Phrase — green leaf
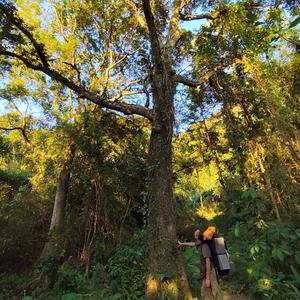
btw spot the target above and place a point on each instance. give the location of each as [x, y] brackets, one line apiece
[258, 23]
[294, 271]
[158, 276]
[295, 22]
[254, 249]
[297, 258]
[298, 233]
[274, 39]
[71, 296]
[113, 297]
[278, 254]
[286, 252]
[194, 270]
[237, 230]
[263, 245]
[296, 291]
[188, 253]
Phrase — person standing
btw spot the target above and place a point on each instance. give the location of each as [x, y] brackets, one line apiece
[210, 288]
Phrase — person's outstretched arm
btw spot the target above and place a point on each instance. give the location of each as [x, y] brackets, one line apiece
[189, 244]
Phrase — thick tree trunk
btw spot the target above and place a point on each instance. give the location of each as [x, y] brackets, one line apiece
[53, 246]
[166, 267]
[167, 277]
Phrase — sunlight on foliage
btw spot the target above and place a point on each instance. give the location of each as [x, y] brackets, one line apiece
[209, 212]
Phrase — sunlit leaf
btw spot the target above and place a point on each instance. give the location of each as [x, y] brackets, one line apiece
[295, 22]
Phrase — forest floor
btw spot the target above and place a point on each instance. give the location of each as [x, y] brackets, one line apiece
[231, 296]
[231, 291]
[234, 291]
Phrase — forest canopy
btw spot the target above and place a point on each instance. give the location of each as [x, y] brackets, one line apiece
[125, 125]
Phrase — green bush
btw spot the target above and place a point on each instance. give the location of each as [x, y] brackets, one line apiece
[266, 252]
[274, 255]
[127, 267]
[23, 228]
[8, 283]
[192, 258]
[70, 280]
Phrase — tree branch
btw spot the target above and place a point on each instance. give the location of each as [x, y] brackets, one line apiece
[155, 45]
[108, 69]
[74, 67]
[101, 100]
[17, 128]
[196, 83]
[174, 33]
[133, 8]
[9, 12]
[217, 14]
[28, 64]
[213, 16]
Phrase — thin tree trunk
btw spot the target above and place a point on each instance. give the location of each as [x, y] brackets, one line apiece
[269, 187]
[215, 156]
[272, 196]
[52, 246]
[234, 140]
[199, 191]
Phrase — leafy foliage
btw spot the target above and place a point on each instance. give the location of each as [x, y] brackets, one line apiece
[127, 267]
[236, 157]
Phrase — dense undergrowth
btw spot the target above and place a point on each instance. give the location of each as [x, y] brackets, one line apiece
[121, 278]
[265, 252]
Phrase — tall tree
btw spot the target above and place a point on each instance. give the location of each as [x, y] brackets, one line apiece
[100, 29]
